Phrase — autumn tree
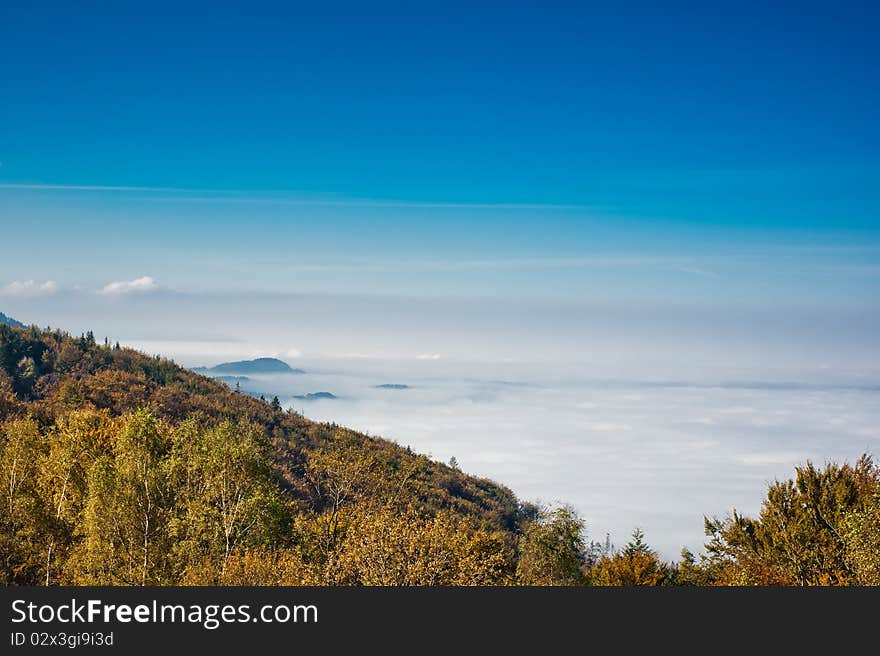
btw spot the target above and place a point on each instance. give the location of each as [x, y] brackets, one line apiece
[337, 477]
[23, 517]
[689, 571]
[800, 536]
[125, 538]
[9, 403]
[860, 531]
[383, 546]
[635, 565]
[552, 550]
[227, 498]
[256, 566]
[77, 440]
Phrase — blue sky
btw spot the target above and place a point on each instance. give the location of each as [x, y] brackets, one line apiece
[684, 152]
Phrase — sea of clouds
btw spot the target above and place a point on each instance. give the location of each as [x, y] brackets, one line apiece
[625, 453]
[643, 414]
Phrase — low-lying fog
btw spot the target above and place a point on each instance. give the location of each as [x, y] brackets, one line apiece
[625, 453]
[640, 414]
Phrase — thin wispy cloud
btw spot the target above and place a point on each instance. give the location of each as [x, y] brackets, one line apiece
[380, 203]
[136, 286]
[677, 263]
[30, 288]
[61, 187]
[283, 197]
[428, 356]
[709, 265]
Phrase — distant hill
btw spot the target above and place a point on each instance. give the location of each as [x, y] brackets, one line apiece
[258, 366]
[9, 321]
[393, 386]
[314, 396]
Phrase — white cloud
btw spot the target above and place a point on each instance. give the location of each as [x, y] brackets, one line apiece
[293, 353]
[428, 356]
[143, 284]
[30, 288]
[634, 457]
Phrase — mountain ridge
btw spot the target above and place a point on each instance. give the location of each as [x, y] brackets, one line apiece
[316, 396]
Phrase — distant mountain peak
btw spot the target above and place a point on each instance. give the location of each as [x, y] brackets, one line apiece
[255, 366]
[315, 396]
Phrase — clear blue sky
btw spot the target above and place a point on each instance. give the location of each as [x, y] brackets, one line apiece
[689, 150]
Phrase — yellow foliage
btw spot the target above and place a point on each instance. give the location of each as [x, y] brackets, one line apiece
[385, 547]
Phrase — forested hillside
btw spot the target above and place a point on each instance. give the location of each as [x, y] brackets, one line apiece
[121, 468]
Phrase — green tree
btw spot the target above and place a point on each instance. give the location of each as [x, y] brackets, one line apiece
[688, 571]
[552, 550]
[125, 539]
[74, 444]
[860, 530]
[799, 536]
[636, 565]
[24, 522]
[227, 496]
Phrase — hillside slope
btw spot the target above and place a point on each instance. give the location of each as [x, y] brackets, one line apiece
[315, 472]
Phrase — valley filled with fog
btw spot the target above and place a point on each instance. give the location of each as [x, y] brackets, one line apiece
[638, 414]
[624, 453]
